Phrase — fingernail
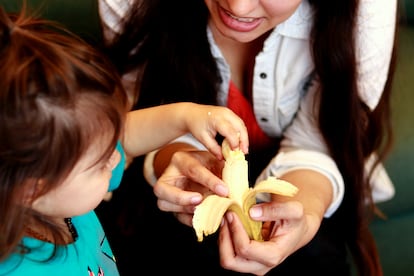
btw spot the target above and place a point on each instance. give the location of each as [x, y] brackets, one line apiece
[196, 199]
[229, 217]
[256, 212]
[222, 190]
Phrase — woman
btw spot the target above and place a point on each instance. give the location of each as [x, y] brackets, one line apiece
[310, 78]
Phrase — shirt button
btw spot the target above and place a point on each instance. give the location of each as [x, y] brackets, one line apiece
[263, 75]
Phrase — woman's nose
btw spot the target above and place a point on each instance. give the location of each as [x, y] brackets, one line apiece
[242, 8]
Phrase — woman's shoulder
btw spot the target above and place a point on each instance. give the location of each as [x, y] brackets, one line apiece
[377, 11]
[112, 13]
[115, 7]
[299, 24]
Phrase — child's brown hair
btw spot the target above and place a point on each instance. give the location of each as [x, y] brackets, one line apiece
[57, 96]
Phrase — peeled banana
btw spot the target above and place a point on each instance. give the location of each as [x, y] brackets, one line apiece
[209, 213]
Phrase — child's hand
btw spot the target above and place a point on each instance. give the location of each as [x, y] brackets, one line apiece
[206, 121]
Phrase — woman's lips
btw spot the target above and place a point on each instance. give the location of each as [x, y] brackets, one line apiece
[239, 24]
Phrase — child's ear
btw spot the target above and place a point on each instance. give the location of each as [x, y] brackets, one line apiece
[31, 189]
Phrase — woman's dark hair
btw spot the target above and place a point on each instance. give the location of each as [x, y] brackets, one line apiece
[351, 130]
[58, 96]
[173, 49]
[170, 48]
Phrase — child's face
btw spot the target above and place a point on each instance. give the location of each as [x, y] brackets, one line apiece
[83, 189]
[247, 20]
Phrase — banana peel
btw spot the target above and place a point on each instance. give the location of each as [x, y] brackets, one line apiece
[209, 213]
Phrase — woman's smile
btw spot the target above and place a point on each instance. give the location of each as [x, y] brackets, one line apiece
[239, 24]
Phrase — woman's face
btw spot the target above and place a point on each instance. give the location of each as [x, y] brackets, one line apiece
[246, 20]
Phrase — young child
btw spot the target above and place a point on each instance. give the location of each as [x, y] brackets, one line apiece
[65, 132]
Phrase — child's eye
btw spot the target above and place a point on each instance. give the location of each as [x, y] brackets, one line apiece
[113, 160]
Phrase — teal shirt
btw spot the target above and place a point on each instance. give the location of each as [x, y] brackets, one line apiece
[118, 171]
[90, 254]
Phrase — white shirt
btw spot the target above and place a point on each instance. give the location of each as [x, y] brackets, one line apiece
[284, 91]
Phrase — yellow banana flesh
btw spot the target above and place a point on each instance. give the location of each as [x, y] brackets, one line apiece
[209, 213]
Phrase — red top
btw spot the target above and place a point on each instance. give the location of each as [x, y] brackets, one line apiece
[243, 108]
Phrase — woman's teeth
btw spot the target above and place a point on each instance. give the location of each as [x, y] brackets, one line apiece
[241, 19]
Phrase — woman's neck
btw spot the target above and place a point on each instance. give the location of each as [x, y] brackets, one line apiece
[240, 57]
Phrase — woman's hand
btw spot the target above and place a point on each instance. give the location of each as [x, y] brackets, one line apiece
[286, 228]
[288, 224]
[189, 177]
[186, 175]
